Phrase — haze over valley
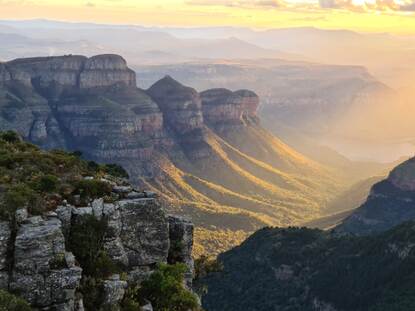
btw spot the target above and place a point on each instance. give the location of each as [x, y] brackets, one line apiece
[207, 155]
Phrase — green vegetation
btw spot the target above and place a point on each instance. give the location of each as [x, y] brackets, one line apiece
[41, 180]
[86, 242]
[9, 302]
[290, 268]
[165, 289]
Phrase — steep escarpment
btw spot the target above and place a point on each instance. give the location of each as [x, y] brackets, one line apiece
[76, 236]
[206, 154]
[389, 203]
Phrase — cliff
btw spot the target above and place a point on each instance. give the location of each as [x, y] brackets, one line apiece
[205, 154]
[222, 107]
[73, 236]
[390, 202]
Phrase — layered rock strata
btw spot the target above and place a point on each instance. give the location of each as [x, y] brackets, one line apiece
[139, 236]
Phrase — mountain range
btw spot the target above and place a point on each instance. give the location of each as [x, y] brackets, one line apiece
[205, 153]
[370, 254]
[340, 104]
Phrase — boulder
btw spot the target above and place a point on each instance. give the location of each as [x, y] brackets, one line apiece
[43, 273]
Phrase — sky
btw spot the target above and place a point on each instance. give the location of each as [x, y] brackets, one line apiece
[394, 16]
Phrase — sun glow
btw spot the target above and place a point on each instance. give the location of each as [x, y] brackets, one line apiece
[395, 16]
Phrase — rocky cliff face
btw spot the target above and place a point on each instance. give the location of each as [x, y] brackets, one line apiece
[139, 235]
[223, 108]
[204, 153]
[99, 108]
[390, 203]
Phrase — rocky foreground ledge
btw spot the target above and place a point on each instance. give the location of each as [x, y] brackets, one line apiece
[139, 236]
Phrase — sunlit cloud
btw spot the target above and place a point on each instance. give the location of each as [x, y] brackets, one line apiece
[352, 5]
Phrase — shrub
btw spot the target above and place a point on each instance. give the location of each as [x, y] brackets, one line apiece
[115, 170]
[48, 183]
[86, 241]
[58, 262]
[92, 292]
[9, 302]
[92, 188]
[165, 289]
[16, 197]
[10, 136]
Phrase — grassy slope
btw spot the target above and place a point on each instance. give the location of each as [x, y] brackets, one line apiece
[250, 180]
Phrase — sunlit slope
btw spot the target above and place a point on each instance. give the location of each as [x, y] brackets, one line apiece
[249, 180]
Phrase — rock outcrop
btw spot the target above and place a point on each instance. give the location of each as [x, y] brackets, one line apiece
[223, 108]
[99, 108]
[182, 112]
[43, 272]
[139, 236]
[206, 150]
[180, 104]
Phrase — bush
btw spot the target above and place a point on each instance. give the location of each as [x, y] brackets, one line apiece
[86, 241]
[115, 170]
[10, 136]
[92, 292]
[92, 188]
[48, 183]
[9, 302]
[18, 196]
[165, 289]
[58, 262]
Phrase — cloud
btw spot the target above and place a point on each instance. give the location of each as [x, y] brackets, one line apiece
[350, 5]
[90, 4]
[237, 3]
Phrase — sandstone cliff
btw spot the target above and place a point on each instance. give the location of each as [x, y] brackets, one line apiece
[206, 154]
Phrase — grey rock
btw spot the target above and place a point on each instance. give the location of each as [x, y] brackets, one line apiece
[114, 290]
[145, 231]
[65, 216]
[122, 189]
[38, 244]
[181, 244]
[21, 215]
[139, 274]
[147, 307]
[5, 234]
[97, 207]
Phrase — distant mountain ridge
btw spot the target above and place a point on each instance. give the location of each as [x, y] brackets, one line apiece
[390, 202]
[206, 154]
[364, 263]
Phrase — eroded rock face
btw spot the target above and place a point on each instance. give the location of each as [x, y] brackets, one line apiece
[43, 273]
[222, 107]
[181, 105]
[100, 110]
[181, 244]
[104, 70]
[139, 236]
